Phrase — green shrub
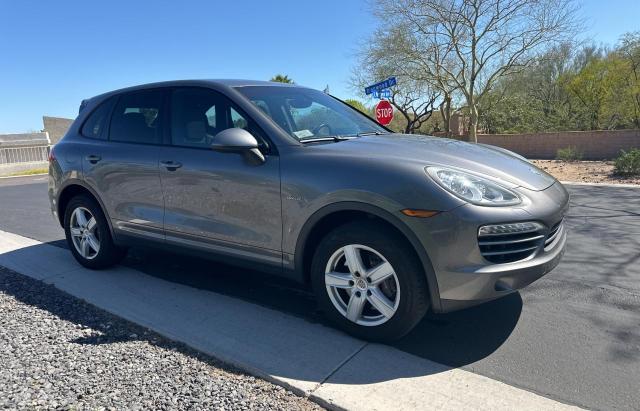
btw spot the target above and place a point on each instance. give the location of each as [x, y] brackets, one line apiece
[628, 163]
[569, 154]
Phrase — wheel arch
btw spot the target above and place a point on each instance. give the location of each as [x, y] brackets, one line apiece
[333, 215]
[73, 189]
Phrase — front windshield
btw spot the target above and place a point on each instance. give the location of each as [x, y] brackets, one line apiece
[309, 114]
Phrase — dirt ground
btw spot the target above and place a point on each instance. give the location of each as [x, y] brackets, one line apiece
[584, 171]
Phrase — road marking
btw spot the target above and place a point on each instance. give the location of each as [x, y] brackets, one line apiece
[577, 183]
[329, 367]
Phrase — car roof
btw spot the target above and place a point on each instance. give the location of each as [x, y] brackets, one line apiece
[243, 83]
[201, 82]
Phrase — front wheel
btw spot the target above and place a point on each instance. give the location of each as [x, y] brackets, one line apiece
[369, 282]
[88, 235]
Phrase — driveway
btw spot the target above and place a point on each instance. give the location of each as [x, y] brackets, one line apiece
[573, 335]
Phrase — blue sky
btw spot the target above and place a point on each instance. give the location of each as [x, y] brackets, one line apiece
[55, 53]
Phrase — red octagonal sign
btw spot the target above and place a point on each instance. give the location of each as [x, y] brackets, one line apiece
[384, 112]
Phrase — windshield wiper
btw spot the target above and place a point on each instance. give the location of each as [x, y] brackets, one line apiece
[370, 133]
[328, 138]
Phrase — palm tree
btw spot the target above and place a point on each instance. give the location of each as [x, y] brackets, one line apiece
[282, 79]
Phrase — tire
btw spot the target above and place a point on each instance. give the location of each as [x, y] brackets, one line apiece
[404, 292]
[96, 234]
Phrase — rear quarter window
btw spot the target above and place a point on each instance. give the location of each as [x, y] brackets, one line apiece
[94, 126]
[137, 118]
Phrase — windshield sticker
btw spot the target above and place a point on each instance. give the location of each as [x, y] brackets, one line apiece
[303, 133]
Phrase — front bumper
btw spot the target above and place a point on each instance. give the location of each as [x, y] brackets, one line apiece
[469, 288]
[464, 277]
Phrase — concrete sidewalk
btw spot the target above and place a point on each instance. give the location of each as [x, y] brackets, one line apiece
[324, 364]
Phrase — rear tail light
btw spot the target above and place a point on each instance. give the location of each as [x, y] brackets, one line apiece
[52, 156]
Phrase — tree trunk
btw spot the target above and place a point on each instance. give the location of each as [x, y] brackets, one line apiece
[473, 123]
[408, 128]
[636, 109]
[445, 112]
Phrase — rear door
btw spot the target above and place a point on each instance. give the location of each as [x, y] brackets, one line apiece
[220, 201]
[124, 168]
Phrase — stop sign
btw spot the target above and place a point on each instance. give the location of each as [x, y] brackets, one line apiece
[384, 112]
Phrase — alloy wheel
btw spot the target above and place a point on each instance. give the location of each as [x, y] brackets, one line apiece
[83, 228]
[362, 285]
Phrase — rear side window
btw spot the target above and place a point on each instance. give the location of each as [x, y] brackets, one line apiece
[95, 125]
[137, 118]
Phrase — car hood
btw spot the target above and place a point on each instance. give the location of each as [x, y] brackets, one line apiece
[482, 159]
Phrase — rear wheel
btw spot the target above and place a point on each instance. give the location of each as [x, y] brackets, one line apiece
[369, 282]
[88, 235]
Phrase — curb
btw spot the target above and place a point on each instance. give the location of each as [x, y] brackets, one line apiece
[578, 183]
[26, 175]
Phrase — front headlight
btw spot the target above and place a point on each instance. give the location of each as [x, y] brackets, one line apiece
[474, 189]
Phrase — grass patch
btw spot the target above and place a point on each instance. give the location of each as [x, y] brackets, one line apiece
[29, 172]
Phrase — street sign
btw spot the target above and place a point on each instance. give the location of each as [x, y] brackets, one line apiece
[379, 94]
[384, 112]
[390, 82]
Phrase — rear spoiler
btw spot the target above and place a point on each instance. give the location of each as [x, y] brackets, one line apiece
[83, 104]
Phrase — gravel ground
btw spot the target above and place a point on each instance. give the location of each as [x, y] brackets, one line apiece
[58, 352]
[585, 171]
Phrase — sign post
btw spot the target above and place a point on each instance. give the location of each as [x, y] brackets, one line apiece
[380, 90]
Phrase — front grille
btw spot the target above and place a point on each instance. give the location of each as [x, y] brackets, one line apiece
[508, 248]
[499, 246]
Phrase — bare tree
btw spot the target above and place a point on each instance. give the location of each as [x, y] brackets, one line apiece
[399, 57]
[415, 106]
[414, 98]
[426, 66]
[473, 43]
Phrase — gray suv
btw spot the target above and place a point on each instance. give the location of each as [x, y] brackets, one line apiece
[292, 181]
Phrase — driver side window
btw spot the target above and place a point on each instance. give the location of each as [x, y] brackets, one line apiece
[198, 114]
[194, 117]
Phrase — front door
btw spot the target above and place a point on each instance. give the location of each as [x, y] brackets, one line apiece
[221, 201]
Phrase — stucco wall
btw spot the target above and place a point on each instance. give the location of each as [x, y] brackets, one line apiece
[24, 139]
[595, 145]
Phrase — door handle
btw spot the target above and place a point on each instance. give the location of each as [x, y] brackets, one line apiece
[93, 158]
[170, 165]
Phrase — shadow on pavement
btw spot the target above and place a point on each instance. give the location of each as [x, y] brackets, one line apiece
[464, 337]
[453, 339]
[248, 285]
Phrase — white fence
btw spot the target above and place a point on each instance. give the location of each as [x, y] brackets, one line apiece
[13, 155]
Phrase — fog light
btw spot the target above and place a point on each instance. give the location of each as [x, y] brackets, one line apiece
[514, 228]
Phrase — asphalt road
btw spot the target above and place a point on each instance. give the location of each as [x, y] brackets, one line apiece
[574, 335]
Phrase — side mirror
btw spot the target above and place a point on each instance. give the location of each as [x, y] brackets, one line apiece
[237, 140]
